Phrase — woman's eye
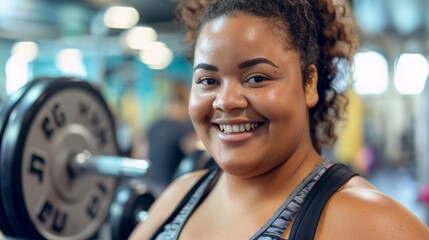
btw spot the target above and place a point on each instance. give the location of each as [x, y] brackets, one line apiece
[256, 79]
[207, 81]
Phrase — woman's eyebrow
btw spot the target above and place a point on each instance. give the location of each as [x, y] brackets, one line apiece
[252, 62]
[244, 64]
[206, 66]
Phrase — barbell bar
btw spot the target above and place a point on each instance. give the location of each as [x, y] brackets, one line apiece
[109, 165]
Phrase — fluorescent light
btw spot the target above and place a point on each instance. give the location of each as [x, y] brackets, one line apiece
[139, 37]
[156, 56]
[17, 73]
[411, 73]
[28, 50]
[371, 73]
[121, 17]
[70, 61]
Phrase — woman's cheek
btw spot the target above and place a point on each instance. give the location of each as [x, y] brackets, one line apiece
[198, 106]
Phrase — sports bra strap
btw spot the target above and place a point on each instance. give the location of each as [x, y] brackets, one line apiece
[185, 200]
[306, 222]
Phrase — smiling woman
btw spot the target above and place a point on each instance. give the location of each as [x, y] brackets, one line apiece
[263, 104]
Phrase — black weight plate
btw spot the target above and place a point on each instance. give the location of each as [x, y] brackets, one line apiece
[133, 199]
[5, 112]
[54, 120]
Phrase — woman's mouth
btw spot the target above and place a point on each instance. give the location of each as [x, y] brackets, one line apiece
[238, 128]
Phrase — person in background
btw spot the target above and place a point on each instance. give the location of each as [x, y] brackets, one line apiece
[171, 138]
[263, 103]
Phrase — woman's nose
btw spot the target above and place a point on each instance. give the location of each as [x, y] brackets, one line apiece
[230, 97]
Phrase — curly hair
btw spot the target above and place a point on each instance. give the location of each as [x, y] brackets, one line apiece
[321, 31]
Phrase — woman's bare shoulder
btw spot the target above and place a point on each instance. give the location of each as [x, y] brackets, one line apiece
[360, 211]
[165, 205]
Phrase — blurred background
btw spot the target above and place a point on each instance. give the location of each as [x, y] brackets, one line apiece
[133, 50]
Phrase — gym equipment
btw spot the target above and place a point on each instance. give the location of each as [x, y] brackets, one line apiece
[5, 112]
[59, 163]
[198, 159]
[129, 208]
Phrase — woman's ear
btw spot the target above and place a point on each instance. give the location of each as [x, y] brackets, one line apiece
[311, 95]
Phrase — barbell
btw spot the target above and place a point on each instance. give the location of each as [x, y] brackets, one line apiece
[60, 164]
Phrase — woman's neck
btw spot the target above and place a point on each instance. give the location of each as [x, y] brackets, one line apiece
[268, 189]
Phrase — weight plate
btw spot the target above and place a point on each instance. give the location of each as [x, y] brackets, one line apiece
[129, 208]
[5, 112]
[45, 198]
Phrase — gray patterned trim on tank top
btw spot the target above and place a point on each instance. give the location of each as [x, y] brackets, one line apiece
[278, 223]
[272, 230]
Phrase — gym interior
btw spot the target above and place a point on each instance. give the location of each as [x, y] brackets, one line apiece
[114, 65]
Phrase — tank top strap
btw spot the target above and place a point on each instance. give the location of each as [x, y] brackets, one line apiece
[278, 223]
[172, 227]
[307, 220]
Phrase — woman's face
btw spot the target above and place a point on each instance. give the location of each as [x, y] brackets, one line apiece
[248, 103]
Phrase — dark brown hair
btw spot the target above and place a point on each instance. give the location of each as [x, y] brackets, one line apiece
[321, 31]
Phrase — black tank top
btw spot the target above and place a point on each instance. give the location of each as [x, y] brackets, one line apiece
[308, 200]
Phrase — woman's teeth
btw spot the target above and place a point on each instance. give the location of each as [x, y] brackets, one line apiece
[238, 128]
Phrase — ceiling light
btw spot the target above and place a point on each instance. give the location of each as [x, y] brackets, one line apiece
[157, 56]
[371, 73]
[411, 73]
[140, 37]
[121, 17]
[27, 50]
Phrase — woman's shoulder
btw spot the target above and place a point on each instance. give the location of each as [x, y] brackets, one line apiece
[166, 203]
[360, 211]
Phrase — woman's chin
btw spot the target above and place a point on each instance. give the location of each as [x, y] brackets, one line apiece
[240, 168]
